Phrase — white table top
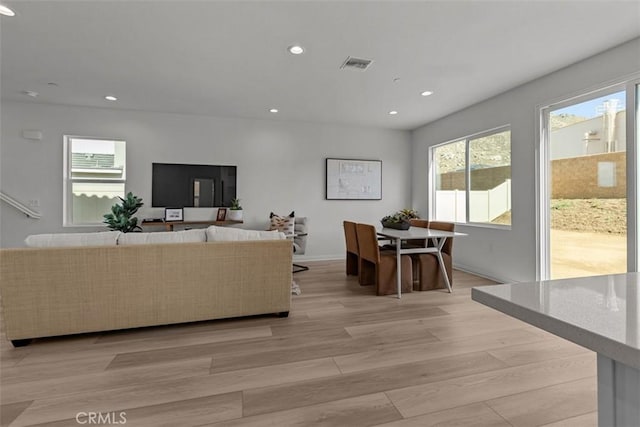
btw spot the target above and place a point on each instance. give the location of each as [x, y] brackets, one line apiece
[601, 313]
[416, 233]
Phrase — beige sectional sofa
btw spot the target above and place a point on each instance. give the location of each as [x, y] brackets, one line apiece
[59, 288]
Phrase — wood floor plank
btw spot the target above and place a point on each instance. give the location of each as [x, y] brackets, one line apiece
[361, 411]
[103, 381]
[474, 415]
[152, 332]
[549, 404]
[435, 322]
[287, 396]
[553, 348]
[586, 420]
[369, 317]
[11, 411]
[333, 348]
[40, 354]
[417, 351]
[53, 369]
[236, 348]
[423, 399]
[183, 413]
[10, 356]
[57, 408]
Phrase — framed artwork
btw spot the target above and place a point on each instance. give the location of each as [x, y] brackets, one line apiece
[351, 179]
[173, 214]
[222, 214]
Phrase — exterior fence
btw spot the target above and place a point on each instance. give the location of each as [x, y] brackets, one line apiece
[485, 206]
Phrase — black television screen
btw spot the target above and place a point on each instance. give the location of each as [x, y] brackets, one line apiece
[185, 186]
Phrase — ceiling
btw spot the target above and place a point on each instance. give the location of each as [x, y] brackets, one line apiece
[230, 58]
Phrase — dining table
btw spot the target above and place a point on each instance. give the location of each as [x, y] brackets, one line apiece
[419, 234]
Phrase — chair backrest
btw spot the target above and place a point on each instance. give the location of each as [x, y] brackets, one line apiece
[368, 243]
[301, 228]
[350, 236]
[424, 223]
[444, 226]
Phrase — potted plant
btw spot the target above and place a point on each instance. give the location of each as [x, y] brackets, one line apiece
[399, 220]
[121, 216]
[235, 211]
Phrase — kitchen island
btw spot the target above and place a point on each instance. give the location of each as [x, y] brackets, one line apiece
[600, 313]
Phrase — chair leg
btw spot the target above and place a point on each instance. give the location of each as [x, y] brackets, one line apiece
[367, 273]
[352, 264]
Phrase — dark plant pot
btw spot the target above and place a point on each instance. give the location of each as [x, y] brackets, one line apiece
[404, 225]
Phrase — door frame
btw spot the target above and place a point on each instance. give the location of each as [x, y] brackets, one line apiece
[543, 220]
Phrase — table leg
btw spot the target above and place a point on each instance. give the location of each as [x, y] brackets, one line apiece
[398, 267]
[443, 268]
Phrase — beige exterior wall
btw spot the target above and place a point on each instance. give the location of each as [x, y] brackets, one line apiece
[577, 177]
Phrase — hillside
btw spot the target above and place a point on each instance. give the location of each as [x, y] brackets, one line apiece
[490, 151]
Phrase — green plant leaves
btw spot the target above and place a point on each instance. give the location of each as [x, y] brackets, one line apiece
[121, 216]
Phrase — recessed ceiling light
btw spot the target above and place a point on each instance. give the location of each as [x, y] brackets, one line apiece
[393, 112]
[110, 98]
[296, 50]
[4, 10]
[273, 110]
[426, 93]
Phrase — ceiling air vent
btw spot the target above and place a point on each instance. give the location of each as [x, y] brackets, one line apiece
[356, 64]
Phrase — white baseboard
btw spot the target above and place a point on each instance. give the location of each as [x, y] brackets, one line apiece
[483, 274]
[329, 257]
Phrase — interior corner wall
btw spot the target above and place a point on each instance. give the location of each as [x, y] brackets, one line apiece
[281, 166]
[510, 255]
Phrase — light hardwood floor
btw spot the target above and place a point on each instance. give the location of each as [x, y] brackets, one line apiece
[344, 357]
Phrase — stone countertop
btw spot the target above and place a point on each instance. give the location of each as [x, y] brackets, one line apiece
[601, 313]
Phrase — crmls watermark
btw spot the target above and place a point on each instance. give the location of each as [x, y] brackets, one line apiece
[101, 418]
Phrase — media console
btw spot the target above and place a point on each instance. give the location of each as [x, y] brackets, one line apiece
[169, 225]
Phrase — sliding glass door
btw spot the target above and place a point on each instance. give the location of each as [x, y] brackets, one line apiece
[585, 185]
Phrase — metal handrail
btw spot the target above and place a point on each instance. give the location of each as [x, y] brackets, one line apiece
[20, 206]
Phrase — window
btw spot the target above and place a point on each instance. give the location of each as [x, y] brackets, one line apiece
[95, 175]
[472, 179]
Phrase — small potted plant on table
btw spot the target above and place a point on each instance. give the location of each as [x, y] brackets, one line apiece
[399, 220]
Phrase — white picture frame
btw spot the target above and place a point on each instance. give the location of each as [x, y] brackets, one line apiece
[353, 179]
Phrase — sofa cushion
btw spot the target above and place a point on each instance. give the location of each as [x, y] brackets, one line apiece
[284, 224]
[183, 236]
[104, 238]
[223, 234]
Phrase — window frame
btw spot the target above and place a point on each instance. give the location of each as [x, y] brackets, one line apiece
[69, 180]
[467, 177]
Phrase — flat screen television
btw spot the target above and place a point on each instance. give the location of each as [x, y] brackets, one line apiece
[185, 186]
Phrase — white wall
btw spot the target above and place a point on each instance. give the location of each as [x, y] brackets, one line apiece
[510, 255]
[281, 165]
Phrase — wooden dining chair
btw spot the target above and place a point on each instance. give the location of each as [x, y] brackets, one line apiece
[351, 240]
[379, 268]
[416, 222]
[427, 267]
